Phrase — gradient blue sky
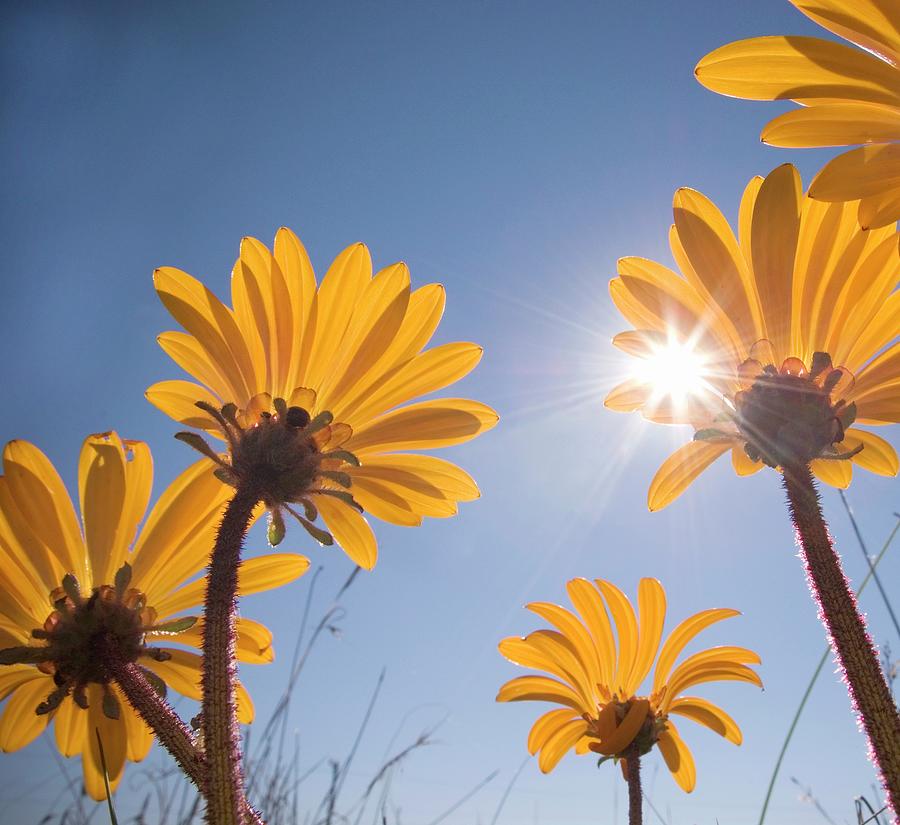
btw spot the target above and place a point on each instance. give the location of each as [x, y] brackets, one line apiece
[512, 151]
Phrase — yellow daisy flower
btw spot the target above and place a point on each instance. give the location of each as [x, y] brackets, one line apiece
[770, 344]
[321, 376]
[63, 582]
[849, 96]
[597, 687]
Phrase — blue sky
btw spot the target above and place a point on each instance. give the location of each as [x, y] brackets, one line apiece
[512, 151]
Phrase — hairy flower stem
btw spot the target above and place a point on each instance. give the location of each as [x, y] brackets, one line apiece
[633, 775]
[846, 630]
[166, 725]
[224, 781]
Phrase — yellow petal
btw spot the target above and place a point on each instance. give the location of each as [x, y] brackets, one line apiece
[70, 728]
[187, 352]
[678, 757]
[860, 173]
[179, 533]
[253, 642]
[545, 726]
[350, 530]
[680, 469]
[705, 713]
[45, 504]
[539, 689]
[559, 743]
[881, 210]
[429, 475]
[255, 575]
[575, 632]
[868, 23]
[19, 724]
[642, 343]
[524, 652]
[338, 294]
[878, 334]
[178, 400]
[681, 636]
[213, 324]
[301, 285]
[111, 508]
[589, 604]
[628, 396]
[838, 124]
[113, 735]
[773, 242]
[559, 650]
[834, 473]
[742, 463]
[877, 456]
[428, 372]
[139, 736]
[263, 311]
[652, 617]
[13, 676]
[717, 262]
[797, 68]
[382, 502]
[627, 631]
[426, 425]
[375, 323]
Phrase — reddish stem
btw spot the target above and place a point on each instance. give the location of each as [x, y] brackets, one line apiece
[224, 781]
[633, 776]
[172, 733]
[847, 634]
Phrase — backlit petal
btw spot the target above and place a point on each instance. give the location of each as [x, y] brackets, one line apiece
[680, 469]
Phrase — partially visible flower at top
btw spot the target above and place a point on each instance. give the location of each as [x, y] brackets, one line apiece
[769, 345]
[307, 384]
[849, 96]
[597, 687]
[69, 589]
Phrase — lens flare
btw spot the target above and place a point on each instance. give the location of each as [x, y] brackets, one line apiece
[675, 370]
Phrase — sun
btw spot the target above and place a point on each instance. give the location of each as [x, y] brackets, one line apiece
[674, 370]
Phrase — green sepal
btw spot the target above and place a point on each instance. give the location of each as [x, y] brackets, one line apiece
[847, 415]
[342, 455]
[70, 586]
[821, 361]
[52, 702]
[178, 625]
[275, 533]
[323, 537]
[24, 655]
[199, 444]
[111, 709]
[225, 475]
[341, 495]
[323, 419]
[155, 682]
[337, 476]
[122, 579]
[712, 434]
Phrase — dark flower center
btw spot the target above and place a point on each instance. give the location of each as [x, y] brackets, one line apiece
[81, 634]
[789, 416]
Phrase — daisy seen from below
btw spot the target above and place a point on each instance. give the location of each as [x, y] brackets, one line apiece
[598, 657]
[82, 601]
[849, 95]
[309, 387]
[771, 345]
[326, 373]
[765, 366]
